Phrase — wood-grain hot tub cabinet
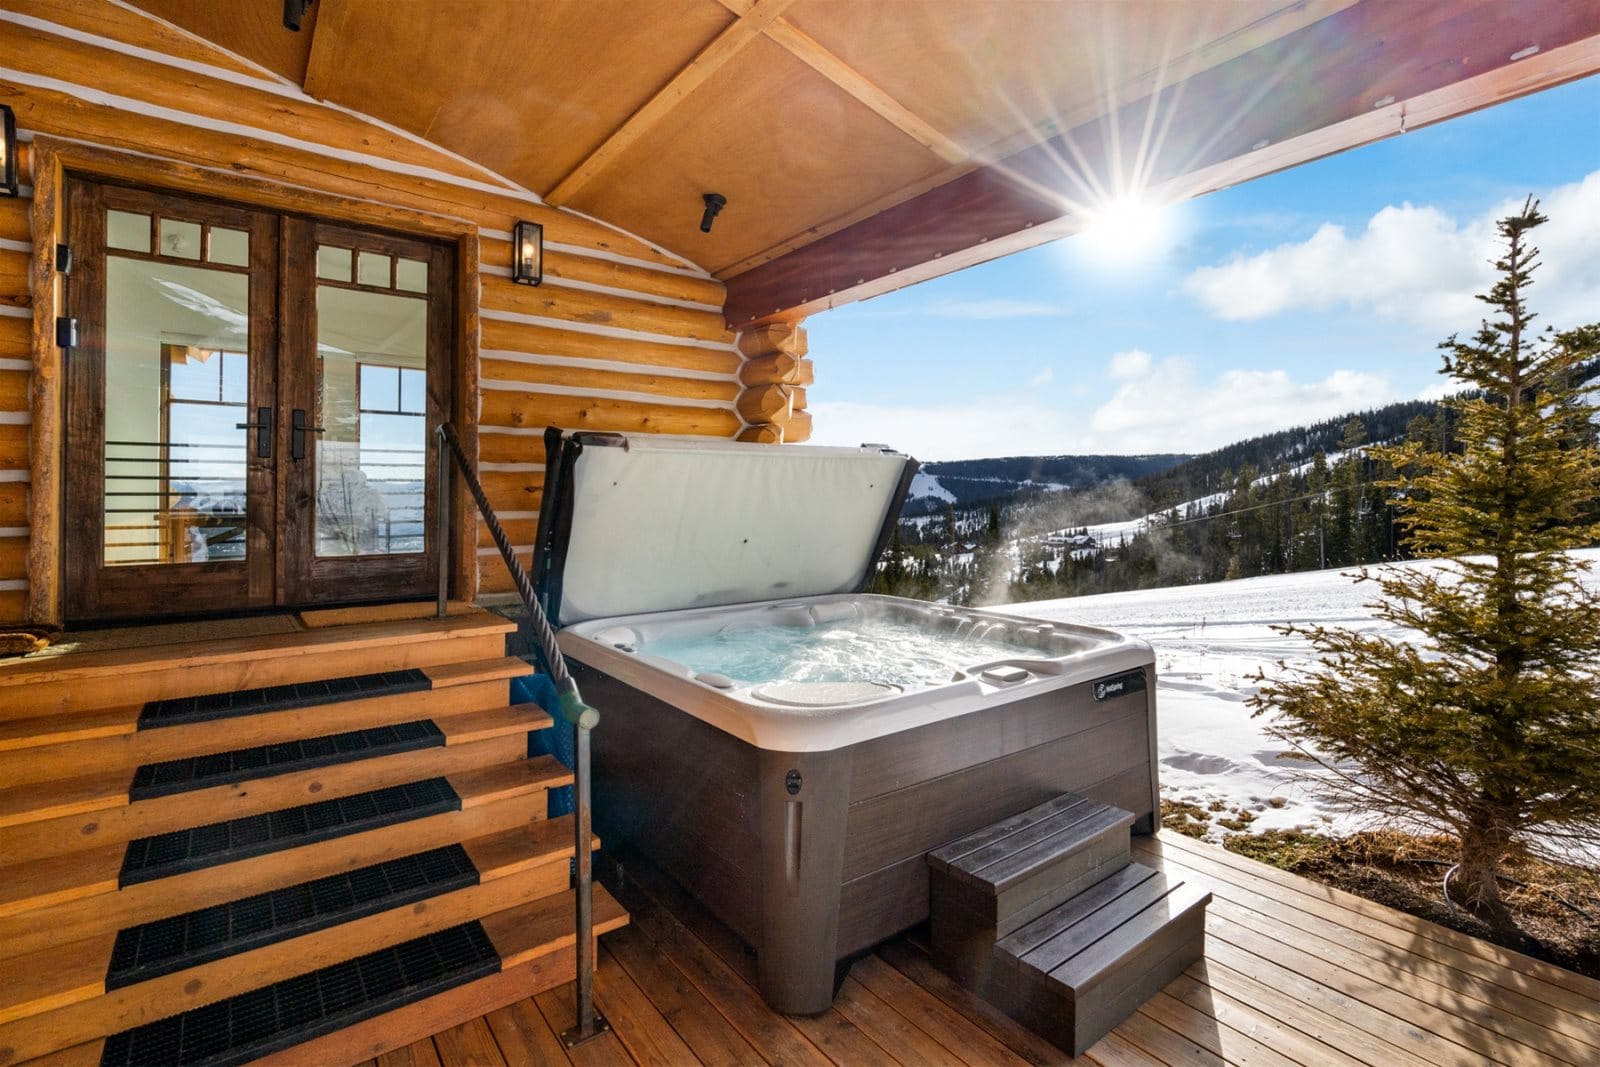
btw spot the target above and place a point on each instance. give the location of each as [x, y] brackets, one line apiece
[800, 814]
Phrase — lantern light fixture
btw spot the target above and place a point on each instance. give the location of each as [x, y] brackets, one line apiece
[714, 202]
[527, 253]
[8, 152]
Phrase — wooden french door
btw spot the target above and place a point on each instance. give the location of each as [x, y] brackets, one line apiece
[250, 404]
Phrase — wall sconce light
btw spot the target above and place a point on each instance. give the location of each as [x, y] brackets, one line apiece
[527, 253]
[715, 202]
[8, 152]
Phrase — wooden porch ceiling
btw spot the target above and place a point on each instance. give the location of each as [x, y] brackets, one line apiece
[867, 144]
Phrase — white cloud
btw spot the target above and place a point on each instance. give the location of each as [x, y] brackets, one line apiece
[1416, 264]
[1044, 377]
[1166, 407]
[1130, 364]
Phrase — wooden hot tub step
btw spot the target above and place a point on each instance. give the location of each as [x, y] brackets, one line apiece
[1078, 971]
[995, 880]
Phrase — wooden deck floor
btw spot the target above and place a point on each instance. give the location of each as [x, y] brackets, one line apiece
[1295, 973]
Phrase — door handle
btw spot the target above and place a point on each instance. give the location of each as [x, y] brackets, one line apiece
[299, 427]
[263, 428]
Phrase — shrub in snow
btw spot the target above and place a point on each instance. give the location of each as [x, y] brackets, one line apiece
[1488, 726]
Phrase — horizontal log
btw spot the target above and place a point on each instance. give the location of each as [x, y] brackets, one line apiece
[636, 279]
[797, 428]
[13, 503]
[505, 408]
[515, 502]
[763, 434]
[15, 215]
[13, 558]
[505, 370]
[13, 605]
[497, 334]
[16, 338]
[508, 448]
[786, 337]
[513, 489]
[13, 447]
[493, 578]
[521, 532]
[132, 26]
[763, 403]
[15, 268]
[604, 309]
[799, 398]
[196, 94]
[369, 193]
[777, 367]
[13, 390]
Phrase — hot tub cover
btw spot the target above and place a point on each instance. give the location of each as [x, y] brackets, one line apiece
[635, 523]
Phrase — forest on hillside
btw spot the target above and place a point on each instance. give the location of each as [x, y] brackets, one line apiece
[1305, 498]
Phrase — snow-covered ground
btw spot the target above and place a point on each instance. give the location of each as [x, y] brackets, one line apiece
[1209, 640]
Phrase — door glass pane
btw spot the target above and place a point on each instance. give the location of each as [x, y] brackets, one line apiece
[333, 263]
[180, 239]
[127, 229]
[372, 269]
[372, 450]
[231, 247]
[177, 368]
[411, 275]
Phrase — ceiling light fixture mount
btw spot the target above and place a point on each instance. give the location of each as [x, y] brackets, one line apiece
[715, 202]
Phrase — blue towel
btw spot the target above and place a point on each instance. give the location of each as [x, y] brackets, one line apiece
[556, 741]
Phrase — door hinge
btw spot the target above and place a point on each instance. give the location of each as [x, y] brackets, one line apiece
[64, 259]
[66, 332]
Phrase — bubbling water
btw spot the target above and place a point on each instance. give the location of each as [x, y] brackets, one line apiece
[871, 650]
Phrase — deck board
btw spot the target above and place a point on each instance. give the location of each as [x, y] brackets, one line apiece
[1296, 974]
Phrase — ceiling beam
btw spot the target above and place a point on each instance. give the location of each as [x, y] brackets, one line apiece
[727, 44]
[1368, 72]
[328, 32]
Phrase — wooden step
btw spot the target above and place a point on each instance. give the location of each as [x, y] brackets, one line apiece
[54, 747]
[479, 670]
[534, 944]
[991, 882]
[37, 833]
[52, 684]
[1076, 972]
[76, 896]
[518, 719]
[50, 1003]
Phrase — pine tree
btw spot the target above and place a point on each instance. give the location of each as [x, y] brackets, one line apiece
[1489, 728]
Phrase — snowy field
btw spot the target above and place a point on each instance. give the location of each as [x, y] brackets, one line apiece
[1209, 640]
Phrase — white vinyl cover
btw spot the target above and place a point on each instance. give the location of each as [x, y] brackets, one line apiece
[665, 523]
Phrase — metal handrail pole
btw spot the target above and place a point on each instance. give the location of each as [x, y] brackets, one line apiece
[571, 708]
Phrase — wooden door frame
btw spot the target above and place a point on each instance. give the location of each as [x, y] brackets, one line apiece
[49, 159]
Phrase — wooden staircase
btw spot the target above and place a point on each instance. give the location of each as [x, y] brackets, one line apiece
[1045, 916]
[312, 846]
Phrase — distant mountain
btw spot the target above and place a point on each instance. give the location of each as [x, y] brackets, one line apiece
[971, 483]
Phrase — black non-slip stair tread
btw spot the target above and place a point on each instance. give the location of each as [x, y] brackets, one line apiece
[279, 1016]
[189, 940]
[182, 851]
[182, 711]
[283, 757]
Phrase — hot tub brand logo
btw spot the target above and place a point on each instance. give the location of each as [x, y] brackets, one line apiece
[1106, 688]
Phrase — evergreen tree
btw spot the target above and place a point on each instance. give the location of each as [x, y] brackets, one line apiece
[1489, 730]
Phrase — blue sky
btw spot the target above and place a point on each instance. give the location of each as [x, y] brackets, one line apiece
[1295, 297]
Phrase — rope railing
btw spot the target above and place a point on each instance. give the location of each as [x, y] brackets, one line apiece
[580, 716]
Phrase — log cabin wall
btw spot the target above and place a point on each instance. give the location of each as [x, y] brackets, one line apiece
[620, 336]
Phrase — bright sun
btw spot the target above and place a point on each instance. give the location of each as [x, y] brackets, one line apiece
[1126, 230]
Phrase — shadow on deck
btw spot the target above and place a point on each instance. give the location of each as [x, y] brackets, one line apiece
[1295, 973]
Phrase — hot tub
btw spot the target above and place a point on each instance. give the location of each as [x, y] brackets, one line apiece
[786, 747]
